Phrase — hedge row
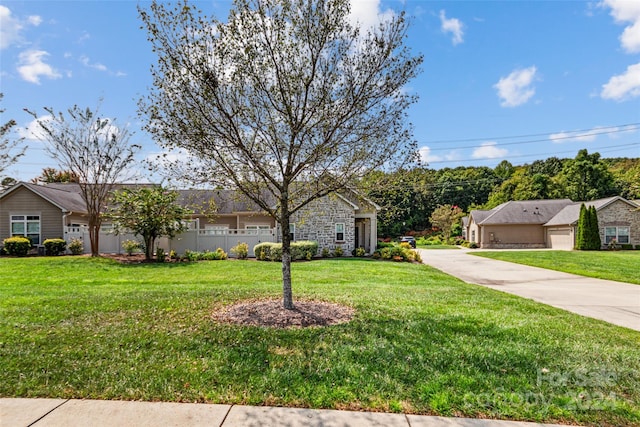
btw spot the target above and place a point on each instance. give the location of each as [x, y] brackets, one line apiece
[269, 251]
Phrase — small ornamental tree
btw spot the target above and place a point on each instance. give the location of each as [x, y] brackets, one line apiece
[93, 151]
[594, 230]
[445, 217]
[581, 233]
[149, 212]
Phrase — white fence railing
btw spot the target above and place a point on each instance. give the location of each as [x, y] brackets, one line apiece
[194, 240]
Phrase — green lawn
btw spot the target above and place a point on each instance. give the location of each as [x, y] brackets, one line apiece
[621, 266]
[421, 342]
[438, 247]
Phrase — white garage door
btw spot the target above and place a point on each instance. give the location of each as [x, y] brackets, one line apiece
[560, 238]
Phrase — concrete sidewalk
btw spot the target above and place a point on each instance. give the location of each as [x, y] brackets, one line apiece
[613, 302]
[110, 413]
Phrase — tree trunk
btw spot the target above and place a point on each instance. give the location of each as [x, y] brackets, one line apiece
[94, 237]
[287, 294]
[148, 247]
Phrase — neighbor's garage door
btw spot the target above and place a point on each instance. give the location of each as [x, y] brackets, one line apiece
[560, 238]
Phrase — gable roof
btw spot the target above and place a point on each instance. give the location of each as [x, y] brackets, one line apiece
[521, 212]
[569, 215]
[479, 215]
[67, 200]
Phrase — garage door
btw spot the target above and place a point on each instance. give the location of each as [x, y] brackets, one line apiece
[560, 238]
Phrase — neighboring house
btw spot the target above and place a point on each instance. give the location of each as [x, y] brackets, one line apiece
[221, 218]
[551, 223]
[618, 219]
[514, 224]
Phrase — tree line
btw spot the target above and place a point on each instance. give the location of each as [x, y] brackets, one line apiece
[408, 197]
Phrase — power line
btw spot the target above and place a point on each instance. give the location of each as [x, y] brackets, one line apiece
[445, 141]
[538, 140]
[532, 155]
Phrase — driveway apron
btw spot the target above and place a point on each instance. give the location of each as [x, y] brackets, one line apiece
[613, 302]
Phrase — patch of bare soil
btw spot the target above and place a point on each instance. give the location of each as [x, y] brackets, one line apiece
[271, 314]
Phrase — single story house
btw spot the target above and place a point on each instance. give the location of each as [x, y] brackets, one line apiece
[221, 218]
[532, 224]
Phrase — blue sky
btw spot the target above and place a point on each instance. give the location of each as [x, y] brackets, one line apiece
[510, 80]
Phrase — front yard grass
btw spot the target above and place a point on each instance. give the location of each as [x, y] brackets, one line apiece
[621, 266]
[420, 342]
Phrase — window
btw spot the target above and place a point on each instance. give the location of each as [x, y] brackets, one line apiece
[621, 234]
[27, 226]
[339, 232]
[292, 232]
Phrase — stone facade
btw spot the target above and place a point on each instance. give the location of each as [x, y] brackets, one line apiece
[620, 214]
[317, 221]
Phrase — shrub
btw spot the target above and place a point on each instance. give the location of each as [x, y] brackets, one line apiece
[626, 246]
[360, 252]
[269, 251]
[638, 247]
[130, 246]
[338, 252]
[241, 250]
[326, 253]
[76, 247]
[300, 249]
[472, 245]
[382, 245]
[54, 247]
[17, 246]
[216, 255]
[160, 255]
[173, 254]
[398, 252]
[613, 245]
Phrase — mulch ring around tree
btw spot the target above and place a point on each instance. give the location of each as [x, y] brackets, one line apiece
[271, 314]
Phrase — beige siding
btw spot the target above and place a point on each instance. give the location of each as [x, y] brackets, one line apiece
[24, 202]
[513, 236]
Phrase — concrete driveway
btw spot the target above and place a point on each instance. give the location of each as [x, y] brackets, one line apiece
[613, 302]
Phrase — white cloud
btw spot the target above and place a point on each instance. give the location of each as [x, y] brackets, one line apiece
[489, 150]
[627, 11]
[33, 131]
[34, 20]
[588, 136]
[367, 13]
[623, 86]
[96, 65]
[31, 66]
[427, 157]
[453, 26]
[516, 89]
[11, 27]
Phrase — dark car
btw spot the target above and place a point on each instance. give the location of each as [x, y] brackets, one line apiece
[410, 240]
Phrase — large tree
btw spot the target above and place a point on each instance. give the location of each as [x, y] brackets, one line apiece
[93, 149]
[149, 212]
[50, 175]
[10, 151]
[287, 101]
[445, 217]
[586, 177]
